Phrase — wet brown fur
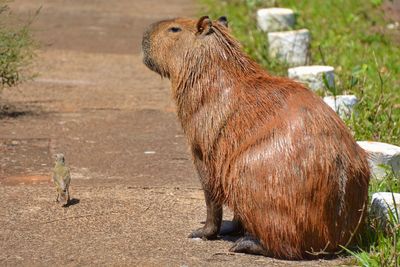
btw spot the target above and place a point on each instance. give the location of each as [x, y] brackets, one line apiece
[265, 146]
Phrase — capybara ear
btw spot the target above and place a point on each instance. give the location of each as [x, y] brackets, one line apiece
[204, 26]
[223, 21]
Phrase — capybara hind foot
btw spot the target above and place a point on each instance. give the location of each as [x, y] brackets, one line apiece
[233, 227]
[248, 245]
[205, 233]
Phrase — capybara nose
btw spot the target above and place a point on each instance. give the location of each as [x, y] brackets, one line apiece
[146, 41]
[147, 48]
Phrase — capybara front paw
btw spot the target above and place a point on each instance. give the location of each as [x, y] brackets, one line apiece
[205, 233]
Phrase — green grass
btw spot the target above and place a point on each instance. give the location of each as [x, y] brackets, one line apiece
[16, 49]
[346, 34]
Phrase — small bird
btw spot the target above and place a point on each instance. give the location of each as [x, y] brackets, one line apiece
[61, 179]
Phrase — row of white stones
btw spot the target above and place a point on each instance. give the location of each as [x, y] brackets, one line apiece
[292, 47]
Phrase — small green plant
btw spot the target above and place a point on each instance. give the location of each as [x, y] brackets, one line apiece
[376, 2]
[16, 49]
[390, 183]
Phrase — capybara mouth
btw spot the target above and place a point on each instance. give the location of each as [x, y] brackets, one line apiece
[148, 61]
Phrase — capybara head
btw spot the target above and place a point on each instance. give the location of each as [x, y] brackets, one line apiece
[169, 44]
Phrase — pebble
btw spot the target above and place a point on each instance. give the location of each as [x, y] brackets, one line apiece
[381, 204]
[312, 76]
[381, 153]
[275, 19]
[290, 47]
[343, 105]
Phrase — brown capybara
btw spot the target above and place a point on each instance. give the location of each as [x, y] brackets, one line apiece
[265, 146]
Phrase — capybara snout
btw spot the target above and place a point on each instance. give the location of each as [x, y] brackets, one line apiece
[173, 41]
[265, 146]
[146, 48]
[162, 42]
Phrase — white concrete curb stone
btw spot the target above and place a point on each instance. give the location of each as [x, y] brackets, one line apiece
[275, 19]
[381, 153]
[381, 203]
[291, 46]
[342, 104]
[312, 76]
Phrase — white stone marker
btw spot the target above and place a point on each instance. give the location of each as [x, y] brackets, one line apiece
[343, 105]
[291, 46]
[382, 202]
[312, 76]
[275, 19]
[381, 153]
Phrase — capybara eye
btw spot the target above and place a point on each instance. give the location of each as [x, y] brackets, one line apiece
[174, 29]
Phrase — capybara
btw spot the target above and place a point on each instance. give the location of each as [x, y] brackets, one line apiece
[265, 146]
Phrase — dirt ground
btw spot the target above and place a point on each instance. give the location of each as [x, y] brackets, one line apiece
[136, 195]
[391, 13]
